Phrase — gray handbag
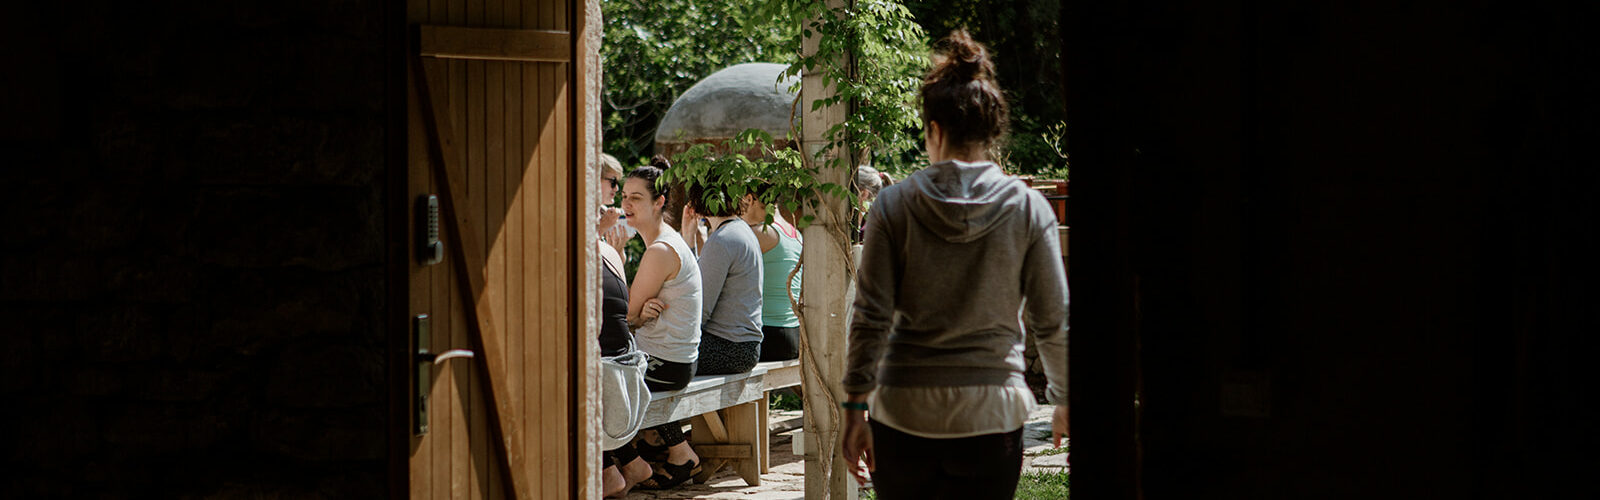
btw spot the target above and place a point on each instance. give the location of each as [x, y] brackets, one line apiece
[624, 397]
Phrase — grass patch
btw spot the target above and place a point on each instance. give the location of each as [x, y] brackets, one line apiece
[1032, 486]
[1044, 485]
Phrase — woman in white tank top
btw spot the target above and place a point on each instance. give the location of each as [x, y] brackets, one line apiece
[664, 310]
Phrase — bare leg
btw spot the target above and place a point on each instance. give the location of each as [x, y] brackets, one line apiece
[612, 483]
[681, 453]
[635, 471]
[682, 464]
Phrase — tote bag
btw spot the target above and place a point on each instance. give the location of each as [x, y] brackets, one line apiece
[624, 397]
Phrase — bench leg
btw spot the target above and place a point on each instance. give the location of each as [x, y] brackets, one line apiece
[730, 436]
[744, 426]
[708, 429]
[765, 432]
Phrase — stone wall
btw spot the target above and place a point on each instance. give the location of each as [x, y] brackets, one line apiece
[194, 274]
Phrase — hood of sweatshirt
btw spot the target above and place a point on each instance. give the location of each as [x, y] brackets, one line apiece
[961, 201]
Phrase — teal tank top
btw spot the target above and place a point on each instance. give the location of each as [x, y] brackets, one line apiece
[775, 266]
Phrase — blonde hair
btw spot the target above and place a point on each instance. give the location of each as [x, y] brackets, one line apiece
[611, 164]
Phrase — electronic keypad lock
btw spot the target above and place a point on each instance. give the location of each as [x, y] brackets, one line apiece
[429, 250]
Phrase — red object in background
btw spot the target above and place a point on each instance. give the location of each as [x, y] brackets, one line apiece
[1055, 190]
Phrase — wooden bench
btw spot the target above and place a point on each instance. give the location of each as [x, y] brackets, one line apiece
[729, 417]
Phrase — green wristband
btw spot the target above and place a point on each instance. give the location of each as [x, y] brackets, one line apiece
[854, 406]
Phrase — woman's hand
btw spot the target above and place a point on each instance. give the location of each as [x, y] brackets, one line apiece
[617, 237]
[608, 218]
[858, 444]
[1058, 424]
[688, 219]
[652, 309]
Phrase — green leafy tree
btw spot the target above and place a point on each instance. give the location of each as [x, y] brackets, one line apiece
[743, 163]
[1025, 38]
[654, 50]
[888, 52]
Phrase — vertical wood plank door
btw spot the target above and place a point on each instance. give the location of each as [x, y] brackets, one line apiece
[493, 134]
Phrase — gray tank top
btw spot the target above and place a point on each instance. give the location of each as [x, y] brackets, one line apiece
[675, 335]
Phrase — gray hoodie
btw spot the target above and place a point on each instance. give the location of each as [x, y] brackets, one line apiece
[956, 259]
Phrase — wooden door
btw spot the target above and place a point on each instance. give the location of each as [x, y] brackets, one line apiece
[494, 134]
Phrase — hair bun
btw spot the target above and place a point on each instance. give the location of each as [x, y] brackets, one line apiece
[965, 58]
[660, 161]
[961, 95]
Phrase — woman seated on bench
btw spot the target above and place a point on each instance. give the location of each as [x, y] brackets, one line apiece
[730, 269]
[664, 309]
[780, 252]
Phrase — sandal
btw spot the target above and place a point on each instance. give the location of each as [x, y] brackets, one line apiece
[678, 475]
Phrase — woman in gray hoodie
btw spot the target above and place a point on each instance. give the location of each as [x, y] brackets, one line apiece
[959, 262]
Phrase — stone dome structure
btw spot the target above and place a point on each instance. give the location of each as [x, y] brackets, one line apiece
[729, 101]
[715, 109]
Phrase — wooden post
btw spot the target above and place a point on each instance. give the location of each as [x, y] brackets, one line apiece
[825, 279]
[586, 28]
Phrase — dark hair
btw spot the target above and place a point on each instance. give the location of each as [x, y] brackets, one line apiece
[650, 174]
[701, 195]
[960, 92]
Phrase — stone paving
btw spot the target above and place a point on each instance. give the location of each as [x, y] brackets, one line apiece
[786, 478]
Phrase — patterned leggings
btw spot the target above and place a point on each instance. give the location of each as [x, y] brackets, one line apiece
[720, 356]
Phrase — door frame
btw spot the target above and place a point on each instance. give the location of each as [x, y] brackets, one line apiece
[399, 47]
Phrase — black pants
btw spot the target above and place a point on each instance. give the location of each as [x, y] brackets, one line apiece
[661, 376]
[780, 343]
[620, 456]
[976, 468]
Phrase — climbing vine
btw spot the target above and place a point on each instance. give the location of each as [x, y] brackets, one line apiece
[887, 55]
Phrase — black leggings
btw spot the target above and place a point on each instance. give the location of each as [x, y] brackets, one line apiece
[977, 467]
[620, 456]
[661, 376]
[780, 343]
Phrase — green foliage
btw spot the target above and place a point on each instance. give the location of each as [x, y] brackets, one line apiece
[1037, 150]
[1039, 485]
[632, 252]
[888, 51]
[1031, 486]
[786, 401]
[654, 50]
[729, 176]
[1024, 39]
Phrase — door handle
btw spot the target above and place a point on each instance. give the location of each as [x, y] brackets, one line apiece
[425, 357]
[420, 326]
